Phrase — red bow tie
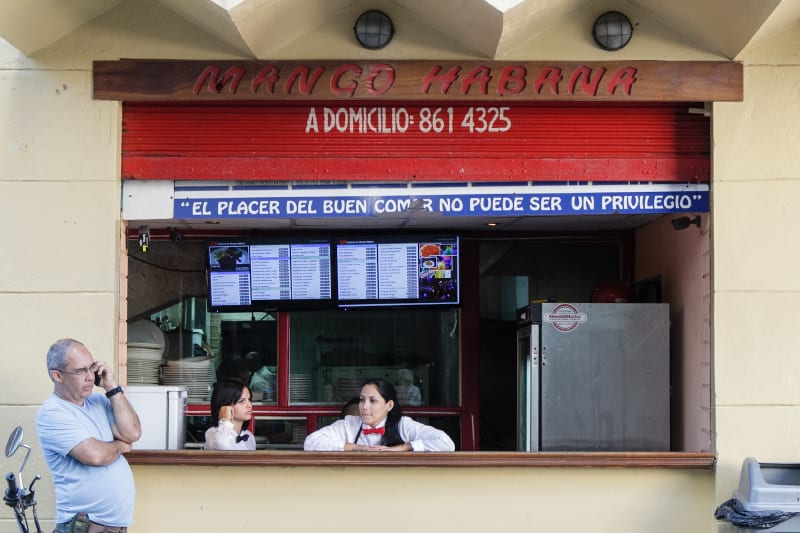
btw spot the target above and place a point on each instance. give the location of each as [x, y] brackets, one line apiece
[377, 431]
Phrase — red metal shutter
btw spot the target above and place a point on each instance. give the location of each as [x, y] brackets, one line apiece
[398, 141]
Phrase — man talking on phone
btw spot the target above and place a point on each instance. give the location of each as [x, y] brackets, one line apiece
[83, 435]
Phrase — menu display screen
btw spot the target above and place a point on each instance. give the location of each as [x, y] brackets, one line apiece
[397, 270]
[259, 275]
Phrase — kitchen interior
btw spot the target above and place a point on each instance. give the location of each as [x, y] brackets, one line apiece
[332, 350]
[167, 288]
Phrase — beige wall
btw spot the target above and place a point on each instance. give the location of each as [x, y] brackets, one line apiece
[59, 218]
[756, 213]
[451, 499]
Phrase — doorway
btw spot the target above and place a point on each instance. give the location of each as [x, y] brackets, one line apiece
[513, 273]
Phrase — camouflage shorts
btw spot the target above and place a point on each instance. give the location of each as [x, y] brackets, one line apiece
[78, 524]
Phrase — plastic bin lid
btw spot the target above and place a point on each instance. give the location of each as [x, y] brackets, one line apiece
[769, 486]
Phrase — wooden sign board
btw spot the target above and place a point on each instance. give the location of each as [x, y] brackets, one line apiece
[309, 80]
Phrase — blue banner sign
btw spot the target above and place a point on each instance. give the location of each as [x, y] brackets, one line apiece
[584, 201]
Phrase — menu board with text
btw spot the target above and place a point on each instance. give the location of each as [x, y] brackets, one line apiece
[397, 271]
[269, 275]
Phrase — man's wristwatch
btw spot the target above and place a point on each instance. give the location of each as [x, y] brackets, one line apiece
[114, 391]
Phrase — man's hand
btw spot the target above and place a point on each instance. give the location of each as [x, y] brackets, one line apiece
[125, 446]
[106, 375]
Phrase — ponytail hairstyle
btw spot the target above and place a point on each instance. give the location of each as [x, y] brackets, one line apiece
[387, 391]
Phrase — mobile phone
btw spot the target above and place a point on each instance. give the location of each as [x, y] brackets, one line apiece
[97, 379]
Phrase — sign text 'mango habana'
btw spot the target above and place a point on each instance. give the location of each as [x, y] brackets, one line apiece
[378, 80]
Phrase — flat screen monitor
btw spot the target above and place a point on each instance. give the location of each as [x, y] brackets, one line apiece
[397, 271]
[269, 274]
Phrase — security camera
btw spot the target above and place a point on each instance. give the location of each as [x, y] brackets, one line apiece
[684, 222]
[174, 236]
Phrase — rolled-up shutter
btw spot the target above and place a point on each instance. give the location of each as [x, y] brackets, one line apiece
[398, 141]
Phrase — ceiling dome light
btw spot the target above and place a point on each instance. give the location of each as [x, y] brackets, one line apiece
[374, 29]
[612, 31]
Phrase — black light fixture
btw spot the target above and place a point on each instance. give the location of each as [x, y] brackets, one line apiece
[684, 222]
[612, 31]
[374, 29]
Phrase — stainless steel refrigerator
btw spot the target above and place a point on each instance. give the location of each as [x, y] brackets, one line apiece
[593, 377]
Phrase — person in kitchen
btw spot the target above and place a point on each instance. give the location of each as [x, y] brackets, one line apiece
[234, 367]
[380, 427]
[261, 378]
[83, 436]
[407, 392]
[231, 409]
[350, 407]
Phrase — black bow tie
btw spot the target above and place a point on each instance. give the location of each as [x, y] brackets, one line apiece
[241, 438]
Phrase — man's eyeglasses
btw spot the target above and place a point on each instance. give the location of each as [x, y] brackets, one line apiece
[80, 372]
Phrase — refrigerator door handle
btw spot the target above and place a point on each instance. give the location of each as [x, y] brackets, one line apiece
[537, 361]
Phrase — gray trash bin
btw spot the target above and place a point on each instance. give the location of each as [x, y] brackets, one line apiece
[770, 487]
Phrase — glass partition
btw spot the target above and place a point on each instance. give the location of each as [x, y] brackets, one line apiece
[333, 352]
[279, 432]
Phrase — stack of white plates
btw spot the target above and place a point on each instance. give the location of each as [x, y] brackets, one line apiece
[144, 358]
[300, 388]
[197, 374]
[143, 371]
[298, 432]
[347, 388]
[144, 351]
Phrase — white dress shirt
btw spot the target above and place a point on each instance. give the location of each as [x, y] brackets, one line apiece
[422, 438]
[223, 437]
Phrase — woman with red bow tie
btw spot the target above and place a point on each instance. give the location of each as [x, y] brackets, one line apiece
[381, 427]
[231, 409]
